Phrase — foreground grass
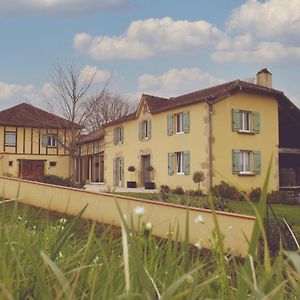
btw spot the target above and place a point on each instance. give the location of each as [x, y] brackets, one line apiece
[50, 256]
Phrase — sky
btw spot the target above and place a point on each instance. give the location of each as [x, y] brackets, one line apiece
[164, 48]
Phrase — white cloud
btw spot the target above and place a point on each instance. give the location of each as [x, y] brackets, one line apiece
[261, 52]
[176, 82]
[272, 18]
[99, 75]
[58, 7]
[145, 38]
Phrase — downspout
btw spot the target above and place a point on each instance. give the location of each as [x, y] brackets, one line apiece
[210, 140]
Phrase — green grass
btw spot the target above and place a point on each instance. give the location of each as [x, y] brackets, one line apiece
[46, 255]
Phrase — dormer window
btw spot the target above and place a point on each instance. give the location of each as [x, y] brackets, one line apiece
[145, 109]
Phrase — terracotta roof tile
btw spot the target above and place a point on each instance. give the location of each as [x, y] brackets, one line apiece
[26, 115]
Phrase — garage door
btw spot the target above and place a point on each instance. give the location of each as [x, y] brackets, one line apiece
[31, 168]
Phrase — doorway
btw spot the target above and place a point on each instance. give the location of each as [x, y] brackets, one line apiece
[145, 169]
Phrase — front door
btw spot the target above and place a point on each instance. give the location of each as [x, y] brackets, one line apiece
[145, 169]
[31, 168]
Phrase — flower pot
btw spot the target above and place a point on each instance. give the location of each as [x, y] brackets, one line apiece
[149, 185]
[131, 184]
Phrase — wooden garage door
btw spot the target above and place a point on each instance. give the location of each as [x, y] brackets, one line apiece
[31, 168]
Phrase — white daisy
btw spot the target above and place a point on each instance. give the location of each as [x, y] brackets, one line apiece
[139, 210]
[199, 219]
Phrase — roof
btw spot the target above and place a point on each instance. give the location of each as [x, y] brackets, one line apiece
[91, 137]
[27, 115]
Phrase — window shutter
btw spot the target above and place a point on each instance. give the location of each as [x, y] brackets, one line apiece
[121, 134]
[121, 161]
[60, 142]
[235, 120]
[44, 140]
[236, 162]
[256, 122]
[170, 163]
[140, 130]
[186, 162]
[256, 162]
[170, 124]
[149, 129]
[115, 172]
[186, 121]
[115, 136]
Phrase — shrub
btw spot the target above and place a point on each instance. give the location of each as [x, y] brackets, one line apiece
[255, 194]
[198, 177]
[57, 180]
[226, 191]
[178, 191]
[220, 204]
[279, 197]
[193, 193]
[164, 189]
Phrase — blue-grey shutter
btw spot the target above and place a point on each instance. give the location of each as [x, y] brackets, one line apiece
[256, 122]
[236, 161]
[170, 163]
[44, 140]
[170, 124]
[121, 162]
[186, 162]
[140, 130]
[115, 172]
[115, 136]
[236, 120]
[256, 162]
[149, 128]
[186, 121]
[121, 134]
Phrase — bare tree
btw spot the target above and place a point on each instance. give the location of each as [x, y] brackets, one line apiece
[70, 101]
[107, 107]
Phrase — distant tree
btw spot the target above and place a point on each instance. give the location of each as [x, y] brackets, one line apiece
[198, 177]
[106, 107]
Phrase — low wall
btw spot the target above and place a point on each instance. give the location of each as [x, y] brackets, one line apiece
[163, 216]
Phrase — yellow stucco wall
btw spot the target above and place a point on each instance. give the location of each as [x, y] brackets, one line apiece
[29, 146]
[225, 140]
[159, 146]
[163, 216]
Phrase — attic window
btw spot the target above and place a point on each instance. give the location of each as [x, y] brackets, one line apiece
[52, 164]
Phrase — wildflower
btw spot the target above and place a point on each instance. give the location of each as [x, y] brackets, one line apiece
[190, 279]
[96, 258]
[148, 225]
[60, 254]
[198, 244]
[62, 228]
[19, 218]
[139, 210]
[199, 219]
[62, 221]
[34, 227]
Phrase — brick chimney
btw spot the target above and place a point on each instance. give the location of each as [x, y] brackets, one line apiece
[264, 78]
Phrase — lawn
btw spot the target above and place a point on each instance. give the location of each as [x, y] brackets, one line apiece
[47, 255]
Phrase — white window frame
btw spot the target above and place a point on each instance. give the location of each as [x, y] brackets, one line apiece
[179, 123]
[145, 130]
[245, 121]
[179, 163]
[52, 141]
[10, 135]
[246, 162]
[118, 135]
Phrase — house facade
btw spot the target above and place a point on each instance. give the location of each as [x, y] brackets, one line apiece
[230, 132]
[33, 143]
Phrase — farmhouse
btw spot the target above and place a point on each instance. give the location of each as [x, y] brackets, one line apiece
[33, 142]
[229, 131]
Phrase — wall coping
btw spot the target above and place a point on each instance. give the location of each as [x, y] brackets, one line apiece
[229, 214]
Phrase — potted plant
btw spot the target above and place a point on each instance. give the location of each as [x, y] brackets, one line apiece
[131, 184]
[198, 177]
[150, 185]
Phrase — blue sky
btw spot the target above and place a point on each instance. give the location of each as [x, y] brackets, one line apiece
[165, 48]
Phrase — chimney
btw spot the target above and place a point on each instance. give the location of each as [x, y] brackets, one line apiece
[264, 78]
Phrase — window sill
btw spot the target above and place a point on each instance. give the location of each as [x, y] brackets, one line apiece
[6, 145]
[246, 132]
[246, 174]
[181, 173]
[180, 132]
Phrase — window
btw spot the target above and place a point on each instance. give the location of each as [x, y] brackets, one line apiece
[145, 109]
[145, 130]
[10, 163]
[246, 162]
[118, 171]
[52, 164]
[245, 121]
[179, 163]
[178, 123]
[118, 135]
[10, 138]
[52, 141]
[97, 147]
